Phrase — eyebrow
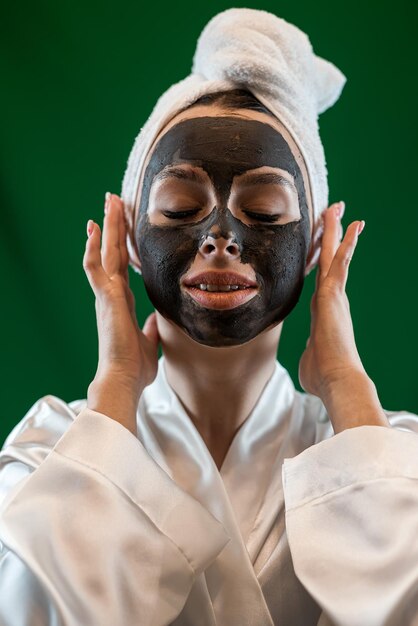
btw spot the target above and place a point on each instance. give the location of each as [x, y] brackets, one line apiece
[269, 178]
[184, 174]
[247, 180]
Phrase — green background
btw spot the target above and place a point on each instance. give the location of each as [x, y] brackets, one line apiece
[80, 79]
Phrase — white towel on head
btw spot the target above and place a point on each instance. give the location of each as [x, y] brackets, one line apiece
[274, 60]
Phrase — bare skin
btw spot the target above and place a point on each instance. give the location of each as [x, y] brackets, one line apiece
[219, 387]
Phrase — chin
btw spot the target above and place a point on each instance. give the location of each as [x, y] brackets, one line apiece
[216, 340]
[220, 342]
[215, 335]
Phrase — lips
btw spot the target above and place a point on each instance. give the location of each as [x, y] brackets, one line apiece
[219, 278]
[197, 287]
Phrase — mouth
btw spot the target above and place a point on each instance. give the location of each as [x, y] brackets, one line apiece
[220, 290]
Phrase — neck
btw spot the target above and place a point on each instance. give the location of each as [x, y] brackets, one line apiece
[218, 387]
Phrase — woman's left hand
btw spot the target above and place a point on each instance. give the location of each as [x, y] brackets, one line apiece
[330, 366]
[331, 353]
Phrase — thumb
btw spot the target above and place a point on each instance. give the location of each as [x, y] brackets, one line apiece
[150, 329]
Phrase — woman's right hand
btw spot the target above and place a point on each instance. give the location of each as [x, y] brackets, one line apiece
[128, 356]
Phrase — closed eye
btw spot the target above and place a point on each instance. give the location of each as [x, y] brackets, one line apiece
[263, 217]
[177, 215]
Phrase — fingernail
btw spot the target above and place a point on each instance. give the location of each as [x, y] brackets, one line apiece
[107, 201]
[360, 227]
[339, 209]
[336, 210]
[90, 226]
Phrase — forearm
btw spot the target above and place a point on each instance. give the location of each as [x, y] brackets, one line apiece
[353, 401]
[116, 399]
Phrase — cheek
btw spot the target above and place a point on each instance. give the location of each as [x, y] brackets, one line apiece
[278, 253]
[165, 252]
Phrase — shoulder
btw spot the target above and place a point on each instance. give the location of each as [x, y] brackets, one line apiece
[316, 415]
[32, 439]
[40, 428]
[403, 420]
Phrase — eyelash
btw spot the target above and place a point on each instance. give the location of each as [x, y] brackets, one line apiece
[177, 215]
[262, 216]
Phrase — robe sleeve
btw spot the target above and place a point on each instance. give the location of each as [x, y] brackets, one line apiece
[352, 523]
[92, 530]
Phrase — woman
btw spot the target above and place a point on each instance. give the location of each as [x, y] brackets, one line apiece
[201, 488]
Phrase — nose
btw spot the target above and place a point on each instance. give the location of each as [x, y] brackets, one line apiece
[218, 245]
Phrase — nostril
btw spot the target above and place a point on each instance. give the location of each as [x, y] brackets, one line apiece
[219, 245]
[208, 247]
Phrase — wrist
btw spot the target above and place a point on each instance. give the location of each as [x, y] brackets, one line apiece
[115, 397]
[352, 400]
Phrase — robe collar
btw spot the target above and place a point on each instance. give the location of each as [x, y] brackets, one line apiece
[245, 495]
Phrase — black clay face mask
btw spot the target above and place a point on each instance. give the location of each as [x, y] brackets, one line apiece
[225, 147]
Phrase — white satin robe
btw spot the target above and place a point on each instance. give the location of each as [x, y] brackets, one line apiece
[298, 528]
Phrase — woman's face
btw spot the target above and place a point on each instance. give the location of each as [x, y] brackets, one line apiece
[224, 228]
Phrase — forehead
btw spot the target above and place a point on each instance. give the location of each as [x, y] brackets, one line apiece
[223, 146]
[254, 140]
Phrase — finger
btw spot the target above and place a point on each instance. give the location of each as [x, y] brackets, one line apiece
[124, 261]
[124, 256]
[340, 231]
[318, 242]
[150, 329]
[338, 272]
[318, 275]
[92, 260]
[318, 271]
[313, 312]
[330, 239]
[317, 278]
[110, 241]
